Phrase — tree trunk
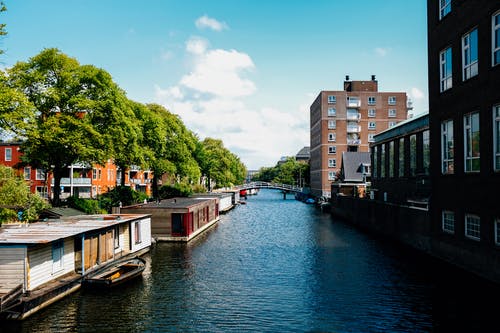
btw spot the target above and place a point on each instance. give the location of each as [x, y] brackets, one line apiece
[56, 200]
[155, 186]
[122, 175]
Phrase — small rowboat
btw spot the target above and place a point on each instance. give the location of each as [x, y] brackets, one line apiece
[115, 273]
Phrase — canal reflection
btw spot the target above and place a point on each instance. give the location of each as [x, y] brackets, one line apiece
[277, 265]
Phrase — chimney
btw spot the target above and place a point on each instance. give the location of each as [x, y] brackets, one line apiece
[347, 77]
[373, 77]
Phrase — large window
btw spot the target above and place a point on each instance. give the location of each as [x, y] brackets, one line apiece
[444, 8]
[375, 161]
[391, 159]
[445, 72]
[426, 151]
[401, 169]
[448, 222]
[472, 226]
[8, 154]
[447, 147]
[496, 133]
[413, 155]
[382, 161]
[495, 37]
[471, 142]
[469, 55]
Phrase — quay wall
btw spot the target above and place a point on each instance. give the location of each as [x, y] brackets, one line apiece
[413, 226]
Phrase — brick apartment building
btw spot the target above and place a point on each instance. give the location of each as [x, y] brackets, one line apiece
[464, 104]
[346, 121]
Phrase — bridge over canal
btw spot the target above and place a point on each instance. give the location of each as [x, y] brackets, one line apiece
[285, 188]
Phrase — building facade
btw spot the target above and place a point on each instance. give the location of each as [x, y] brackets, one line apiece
[464, 103]
[347, 121]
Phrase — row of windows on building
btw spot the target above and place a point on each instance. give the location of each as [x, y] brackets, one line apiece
[472, 157]
[96, 174]
[372, 113]
[470, 59]
[395, 154]
[472, 225]
[372, 100]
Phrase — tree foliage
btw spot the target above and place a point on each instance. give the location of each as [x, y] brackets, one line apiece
[15, 197]
[289, 172]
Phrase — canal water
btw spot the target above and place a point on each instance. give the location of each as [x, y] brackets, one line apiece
[277, 265]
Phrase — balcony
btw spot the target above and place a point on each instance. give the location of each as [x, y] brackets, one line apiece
[353, 141]
[353, 116]
[353, 129]
[353, 102]
[74, 181]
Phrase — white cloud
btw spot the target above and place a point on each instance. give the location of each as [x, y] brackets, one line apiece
[210, 99]
[416, 93]
[210, 23]
[196, 45]
[381, 52]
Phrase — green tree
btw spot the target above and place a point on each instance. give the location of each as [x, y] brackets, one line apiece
[3, 32]
[70, 116]
[15, 196]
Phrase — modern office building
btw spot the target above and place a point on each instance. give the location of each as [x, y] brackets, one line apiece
[346, 121]
[464, 118]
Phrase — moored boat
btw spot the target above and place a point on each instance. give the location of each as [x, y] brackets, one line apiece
[115, 273]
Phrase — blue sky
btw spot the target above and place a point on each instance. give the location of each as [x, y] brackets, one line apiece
[245, 72]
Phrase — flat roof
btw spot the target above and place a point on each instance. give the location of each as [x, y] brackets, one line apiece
[419, 121]
[46, 232]
[181, 202]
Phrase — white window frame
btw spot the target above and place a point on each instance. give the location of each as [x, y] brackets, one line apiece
[332, 112]
[495, 47]
[391, 100]
[445, 77]
[444, 8]
[391, 113]
[372, 100]
[332, 124]
[473, 227]
[332, 163]
[469, 157]
[372, 113]
[332, 149]
[40, 175]
[331, 175]
[332, 99]
[372, 125]
[27, 173]
[469, 66]
[371, 137]
[332, 137]
[496, 137]
[8, 154]
[392, 124]
[447, 162]
[448, 221]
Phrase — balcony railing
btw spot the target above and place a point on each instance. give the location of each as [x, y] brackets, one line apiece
[75, 181]
[353, 129]
[353, 102]
[353, 141]
[353, 116]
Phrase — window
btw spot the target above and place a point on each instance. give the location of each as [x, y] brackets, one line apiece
[332, 99]
[447, 148]
[448, 221]
[116, 236]
[94, 173]
[495, 37]
[8, 154]
[27, 173]
[332, 124]
[137, 233]
[40, 175]
[392, 100]
[332, 112]
[382, 161]
[471, 142]
[332, 163]
[371, 137]
[497, 231]
[331, 175]
[445, 69]
[426, 151]
[372, 100]
[331, 137]
[444, 8]
[472, 226]
[401, 169]
[332, 149]
[392, 124]
[496, 134]
[371, 125]
[391, 113]
[391, 159]
[57, 255]
[42, 191]
[413, 155]
[469, 55]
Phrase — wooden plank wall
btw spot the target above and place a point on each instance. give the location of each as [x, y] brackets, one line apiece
[11, 267]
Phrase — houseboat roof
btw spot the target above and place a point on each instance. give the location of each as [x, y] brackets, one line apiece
[212, 194]
[46, 232]
[180, 202]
